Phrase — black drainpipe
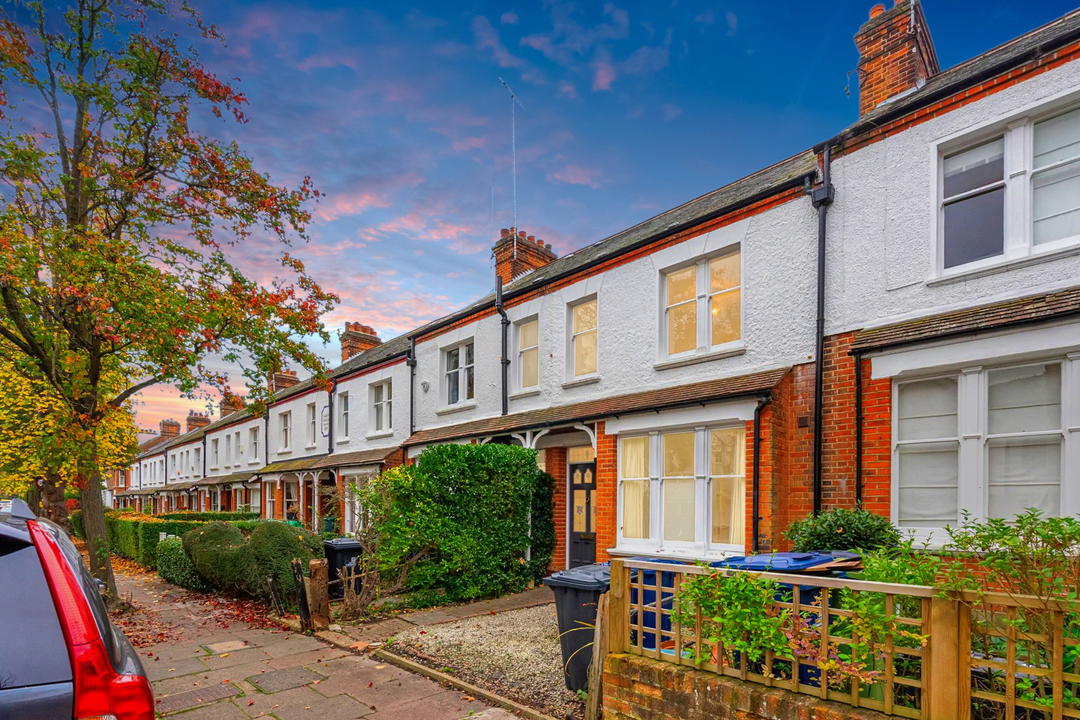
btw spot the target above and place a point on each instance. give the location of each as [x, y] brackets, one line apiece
[410, 360]
[822, 198]
[266, 439]
[755, 522]
[329, 425]
[858, 429]
[505, 361]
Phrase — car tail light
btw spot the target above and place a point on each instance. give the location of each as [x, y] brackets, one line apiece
[100, 692]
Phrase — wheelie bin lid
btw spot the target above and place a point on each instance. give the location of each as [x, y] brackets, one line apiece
[585, 577]
[342, 543]
[792, 562]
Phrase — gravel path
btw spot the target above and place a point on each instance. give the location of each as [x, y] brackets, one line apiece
[514, 653]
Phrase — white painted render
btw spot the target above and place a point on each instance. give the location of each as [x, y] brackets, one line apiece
[245, 461]
[883, 225]
[362, 434]
[778, 276]
[300, 445]
[185, 468]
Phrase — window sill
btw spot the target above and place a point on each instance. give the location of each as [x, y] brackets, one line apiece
[342, 441]
[1003, 266]
[284, 452]
[687, 556]
[531, 392]
[310, 447]
[460, 407]
[734, 350]
[253, 462]
[381, 434]
[581, 381]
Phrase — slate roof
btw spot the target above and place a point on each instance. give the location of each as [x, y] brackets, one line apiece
[651, 400]
[360, 457]
[1036, 308]
[1014, 53]
[152, 446]
[307, 463]
[225, 479]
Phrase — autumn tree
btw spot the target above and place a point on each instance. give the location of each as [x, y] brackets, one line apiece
[122, 218]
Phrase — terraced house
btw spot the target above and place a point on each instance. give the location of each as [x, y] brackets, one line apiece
[891, 317]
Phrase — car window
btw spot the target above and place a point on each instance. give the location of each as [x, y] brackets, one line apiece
[32, 646]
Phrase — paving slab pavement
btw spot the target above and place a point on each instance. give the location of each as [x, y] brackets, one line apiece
[212, 668]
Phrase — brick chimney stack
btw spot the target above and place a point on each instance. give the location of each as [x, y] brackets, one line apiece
[896, 53]
[516, 253]
[283, 380]
[356, 339]
[196, 420]
[228, 406]
[169, 429]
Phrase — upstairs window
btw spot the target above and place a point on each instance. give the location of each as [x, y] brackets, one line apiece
[529, 353]
[239, 448]
[311, 429]
[703, 304]
[343, 415]
[214, 453]
[253, 441]
[584, 339]
[285, 419]
[1014, 195]
[382, 399]
[228, 450]
[459, 374]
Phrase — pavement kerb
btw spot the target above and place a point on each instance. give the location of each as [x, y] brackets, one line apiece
[346, 643]
[445, 679]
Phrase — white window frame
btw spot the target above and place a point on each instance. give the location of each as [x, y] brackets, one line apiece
[461, 373]
[1018, 132]
[215, 453]
[571, 360]
[702, 546]
[239, 449]
[522, 349]
[271, 498]
[343, 416]
[312, 424]
[253, 440]
[228, 450]
[285, 431]
[973, 433]
[387, 405]
[703, 299]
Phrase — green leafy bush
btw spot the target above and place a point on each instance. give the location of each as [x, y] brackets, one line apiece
[208, 516]
[842, 529]
[149, 532]
[218, 551]
[174, 566]
[460, 520]
[77, 527]
[270, 551]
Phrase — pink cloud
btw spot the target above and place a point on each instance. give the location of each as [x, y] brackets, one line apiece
[671, 111]
[509, 18]
[567, 88]
[604, 75]
[373, 192]
[472, 143]
[574, 174]
[487, 38]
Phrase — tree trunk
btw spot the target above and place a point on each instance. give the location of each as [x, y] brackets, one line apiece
[53, 502]
[93, 514]
[33, 496]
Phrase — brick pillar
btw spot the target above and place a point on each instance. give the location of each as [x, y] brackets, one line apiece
[877, 443]
[607, 482]
[556, 467]
[279, 500]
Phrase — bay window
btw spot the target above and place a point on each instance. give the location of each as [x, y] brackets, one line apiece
[1011, 195]
[683, 491]
[703, 305]
[987, 443]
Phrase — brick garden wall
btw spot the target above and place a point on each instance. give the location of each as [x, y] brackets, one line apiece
[637, 688]
[556, 467]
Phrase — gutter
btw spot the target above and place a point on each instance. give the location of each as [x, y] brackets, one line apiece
[756, 515]
[822, 197]
[505, 360]
[793, 182]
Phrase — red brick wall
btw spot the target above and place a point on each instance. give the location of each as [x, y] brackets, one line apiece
[607, 502]
[556, 467]
[894, 56]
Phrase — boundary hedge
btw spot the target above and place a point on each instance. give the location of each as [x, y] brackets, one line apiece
[135, 536]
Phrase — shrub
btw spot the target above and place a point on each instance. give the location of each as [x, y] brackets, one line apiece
[842, 529]
[459, 520]
[176, 567]
[218, 551]
[72, 505]
[149, 531]
[77, 527]
[270, 551]
[208, 516]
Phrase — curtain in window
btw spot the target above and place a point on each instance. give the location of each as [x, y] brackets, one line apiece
[1024, 424]
[727, 470]
[635, 487]
[928, 453]
[678, 487]
[1056, 181]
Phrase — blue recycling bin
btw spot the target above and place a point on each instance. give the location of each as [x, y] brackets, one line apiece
[649, 601]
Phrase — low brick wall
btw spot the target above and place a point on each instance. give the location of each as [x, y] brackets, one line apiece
[637, 688]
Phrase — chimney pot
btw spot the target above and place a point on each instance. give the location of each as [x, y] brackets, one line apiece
[548, 246]
[504, 232]
[510, 265]
[531, 239]
[521, 233]
[356, 339]
[896, 54]
[879, 9]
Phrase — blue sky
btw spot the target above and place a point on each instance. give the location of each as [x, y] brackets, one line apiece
[396, 112]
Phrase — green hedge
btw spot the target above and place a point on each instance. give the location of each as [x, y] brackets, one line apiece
[136, 536]
[176, 567]
[459, 520]
[218, 551]
[77, 524]
[149, 533]
[208, 516]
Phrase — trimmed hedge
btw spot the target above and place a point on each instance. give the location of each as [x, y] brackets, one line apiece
[218, 551]
[208, 516]
[149, 531]
[176, 567]
[77, 526]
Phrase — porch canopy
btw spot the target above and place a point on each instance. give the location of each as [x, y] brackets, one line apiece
[308, 463]
[599, 409]
[361, 462]
[224, 479]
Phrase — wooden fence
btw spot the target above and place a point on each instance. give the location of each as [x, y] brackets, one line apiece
[992, 657]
